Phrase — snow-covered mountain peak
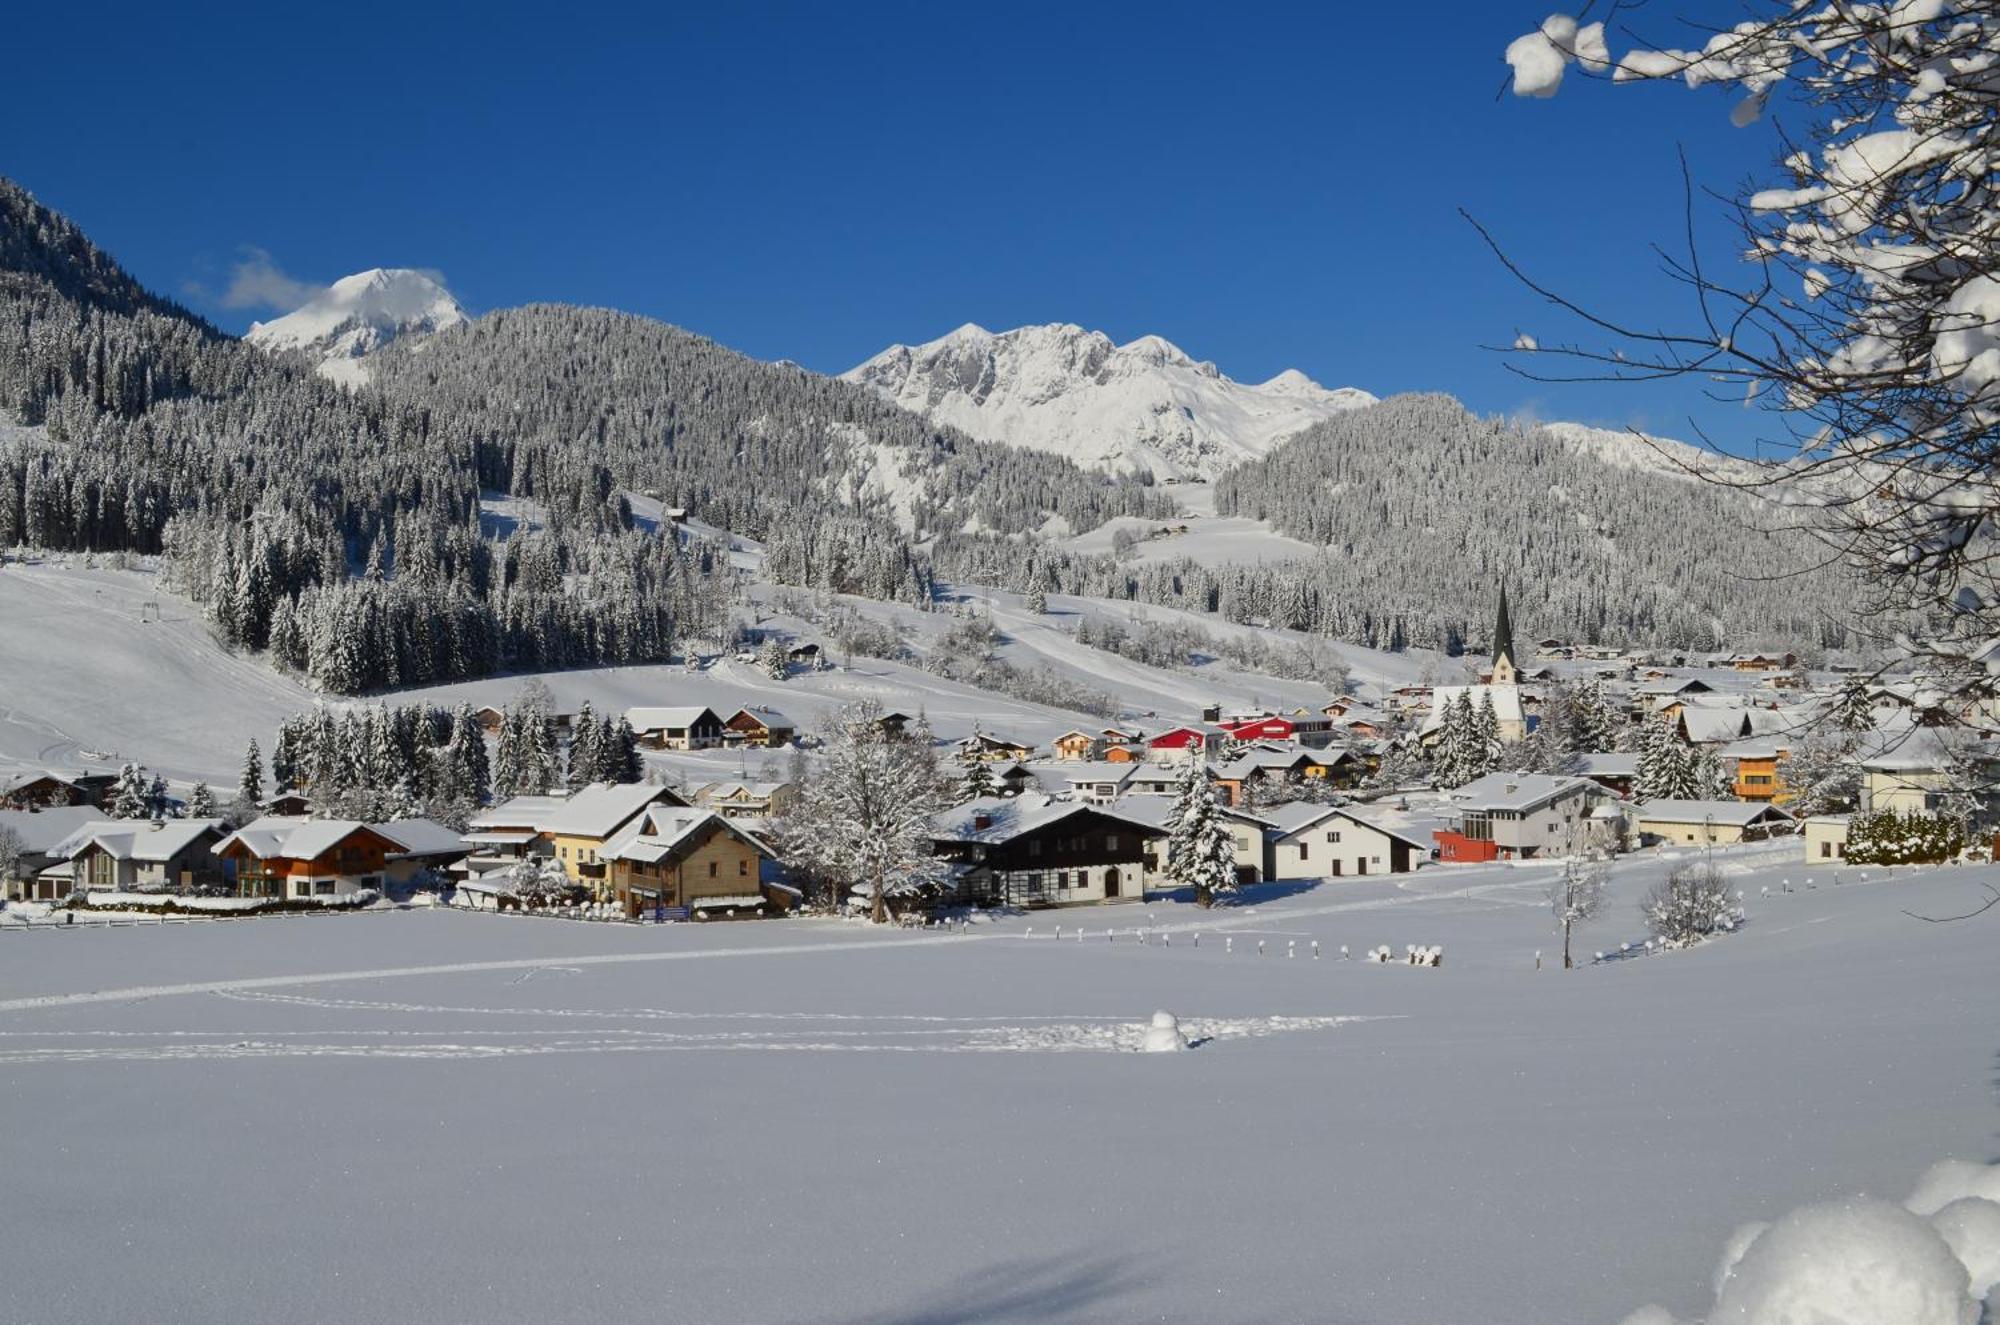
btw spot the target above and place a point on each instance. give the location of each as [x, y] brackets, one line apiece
[358, 315]
[1144, 406]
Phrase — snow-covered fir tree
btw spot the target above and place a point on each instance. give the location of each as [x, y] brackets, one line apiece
[1201, 852]
[131, 796]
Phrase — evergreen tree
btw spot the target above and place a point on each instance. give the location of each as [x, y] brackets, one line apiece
[585, 762]
[977, 778]
[1201, 854]
[201, 802]
[1485, 736]
[1711, 779]
[130, 798]
[773, 659]
[250, 786]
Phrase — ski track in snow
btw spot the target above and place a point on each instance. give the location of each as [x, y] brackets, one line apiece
[786, 1032]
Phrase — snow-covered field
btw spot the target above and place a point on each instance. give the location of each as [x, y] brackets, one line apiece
[456, 1117]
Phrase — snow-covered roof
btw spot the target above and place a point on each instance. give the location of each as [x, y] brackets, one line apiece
[292, 838]
[678, 718]
[40, 830]
[1739, 814]
[1517, 791]
[516, 812]
[997, 819]
[136, 839]
[769, 718]
[599, 809]
[1609, 764]
[664, 830]
[723, 903]
[421, 837]
[1712, 726]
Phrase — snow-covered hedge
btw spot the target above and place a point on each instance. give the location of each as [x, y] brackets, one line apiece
[166, 904]
[1933, 1260]
[1915, 838]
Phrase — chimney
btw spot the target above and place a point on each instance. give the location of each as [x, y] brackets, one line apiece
[980, 822]
[1512, 788]
[1211, 713]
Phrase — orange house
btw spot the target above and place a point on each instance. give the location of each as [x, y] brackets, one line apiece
[1757, 773]
[305, 858]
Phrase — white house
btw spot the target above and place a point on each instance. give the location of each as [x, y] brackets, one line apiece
[1511, 717]
[138, 855]
[1339, 841]
[1511, 816]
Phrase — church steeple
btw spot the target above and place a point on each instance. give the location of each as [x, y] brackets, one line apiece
[1505, 673]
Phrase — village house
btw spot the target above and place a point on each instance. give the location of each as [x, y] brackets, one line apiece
[1095, 782]
[1238, 778]
[678, 728]
[1908, 769]
[759, 728]
[42, 790]
[1825, 837]
[1033, 851]
[1614, 770]
[39, 831]
[1180, 744]
[143, 855]
[1516, 816]
[987, 746]
[686, 863]
[1339, 841]
[303, 858]
[1709, 823]
[570, 830]
[741, 801]
[1510, 718]
[1247, 837]
[1077, 746]
[1295, 729]
[1754, 769]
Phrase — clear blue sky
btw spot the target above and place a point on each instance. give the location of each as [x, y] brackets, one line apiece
[1269, 188]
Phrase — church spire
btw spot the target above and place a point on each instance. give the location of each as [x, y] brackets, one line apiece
[1504, 668]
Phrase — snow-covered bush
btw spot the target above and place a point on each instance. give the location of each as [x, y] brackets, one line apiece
[1381, 954]
[1689, 905]
[1934, 1260]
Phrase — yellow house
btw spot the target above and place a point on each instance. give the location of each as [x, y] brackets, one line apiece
[577, 828]
[676, 858]
[1076, 746]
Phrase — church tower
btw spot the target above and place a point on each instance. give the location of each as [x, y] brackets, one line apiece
[1505, 673]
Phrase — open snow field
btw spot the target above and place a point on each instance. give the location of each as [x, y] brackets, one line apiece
[456, 1117]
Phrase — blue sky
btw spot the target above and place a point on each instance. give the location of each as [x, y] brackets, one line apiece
[1267, 187]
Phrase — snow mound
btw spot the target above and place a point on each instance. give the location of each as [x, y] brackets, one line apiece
[1850, 1262]
[1970, 1226]
[1950, 1180]
[1143, 407]
[358, 315]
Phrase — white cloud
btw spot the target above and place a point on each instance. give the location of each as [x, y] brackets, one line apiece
[257, 282]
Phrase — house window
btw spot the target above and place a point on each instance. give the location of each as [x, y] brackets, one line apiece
[1302, 850]
[742, 866]
[1035, 847]
[711, 869]
[1825, 849]
[1062, 878]
[1333, 835]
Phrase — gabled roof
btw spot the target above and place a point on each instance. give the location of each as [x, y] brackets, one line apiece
[599, 809]
[665, 832]
[1006, 818]
[421, 837]
[767, 718]
[290, 838]
[675, 718]
[1737, 814]
[136, 839]
[517, 812]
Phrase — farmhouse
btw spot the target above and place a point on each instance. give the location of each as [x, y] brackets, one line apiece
[693, 862]
[1296, 729]
[1098, 782]
[1615, 771]
[738, 801]
[759, 728]
[1032, 851]
[300, 858]
[578, 827]
[1713, 823]
[986, 746]
[43, 790]
[683, 728]
[134, 855]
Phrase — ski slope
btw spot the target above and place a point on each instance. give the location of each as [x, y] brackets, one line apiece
[89, 680]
